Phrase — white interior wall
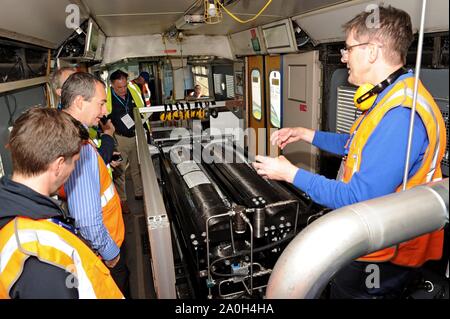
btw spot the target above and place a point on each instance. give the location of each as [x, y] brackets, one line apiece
[118, 48]
[326, 25]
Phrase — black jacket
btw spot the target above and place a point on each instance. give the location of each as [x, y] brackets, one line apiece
[38, 279]
[106, 149]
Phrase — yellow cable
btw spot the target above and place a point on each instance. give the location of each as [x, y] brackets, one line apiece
[239, 20]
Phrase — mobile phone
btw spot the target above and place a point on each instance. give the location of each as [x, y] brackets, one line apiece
[117, 158]
[104, 119]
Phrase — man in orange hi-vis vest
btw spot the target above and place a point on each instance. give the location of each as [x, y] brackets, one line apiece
[375, 150]
[91, 196]
[40, 252]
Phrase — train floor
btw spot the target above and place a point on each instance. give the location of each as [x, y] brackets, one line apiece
[138, 254]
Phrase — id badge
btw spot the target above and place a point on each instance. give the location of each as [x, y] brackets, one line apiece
[128, 121]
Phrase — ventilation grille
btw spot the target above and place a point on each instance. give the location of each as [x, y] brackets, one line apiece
[347, 113]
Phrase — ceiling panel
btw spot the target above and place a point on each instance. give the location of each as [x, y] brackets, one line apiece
[107, 7]
[138, 17]
[132, 25]
[43, 19]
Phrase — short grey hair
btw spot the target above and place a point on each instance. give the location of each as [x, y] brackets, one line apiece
[78, 84]
[394, 31]
[56, 77]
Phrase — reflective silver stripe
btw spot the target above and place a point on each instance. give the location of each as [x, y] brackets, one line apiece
[107, 195]
[131, 85]
[407, 92]
[340, 174]
[428, 108]
[96, 142]
[50, 239]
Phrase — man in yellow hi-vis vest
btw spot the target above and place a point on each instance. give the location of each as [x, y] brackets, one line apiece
[122, 98]
[374, 151]
[40, 252]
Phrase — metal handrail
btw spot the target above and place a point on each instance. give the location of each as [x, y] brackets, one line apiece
[158, 224]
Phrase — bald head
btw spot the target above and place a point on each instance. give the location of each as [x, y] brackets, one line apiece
[59, 77]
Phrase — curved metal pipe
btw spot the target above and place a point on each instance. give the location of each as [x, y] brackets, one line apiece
[319, 251]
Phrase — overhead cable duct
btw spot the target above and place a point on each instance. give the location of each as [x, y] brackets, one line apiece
[239, 20]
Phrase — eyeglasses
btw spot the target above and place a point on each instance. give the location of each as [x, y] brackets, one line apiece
[347, 49]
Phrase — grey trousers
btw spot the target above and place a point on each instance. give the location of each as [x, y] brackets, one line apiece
[127, 148]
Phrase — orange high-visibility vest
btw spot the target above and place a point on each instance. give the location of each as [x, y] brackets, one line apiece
[147, 94]
[111, 209]
[417, 251]
[22, 238]
[110, 201]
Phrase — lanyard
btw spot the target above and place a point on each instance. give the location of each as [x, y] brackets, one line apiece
[125, 105]
[66, 226]
[379, 97]
[350, 139]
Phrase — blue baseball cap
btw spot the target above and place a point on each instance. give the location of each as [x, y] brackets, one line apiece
[145, 75]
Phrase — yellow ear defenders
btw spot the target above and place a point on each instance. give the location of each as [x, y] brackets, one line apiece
[170, 114]
[200, 112]
[177, 114]
[187, 112]
[166, 116]
[163, 116]
[180, 111]
[367, 93]
[193, 111]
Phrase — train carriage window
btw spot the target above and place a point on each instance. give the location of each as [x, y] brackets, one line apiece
[167, 84]
[256, 94]
[275, 98]
[200, 75]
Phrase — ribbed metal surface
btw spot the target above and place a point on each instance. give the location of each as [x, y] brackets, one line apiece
[346, 110]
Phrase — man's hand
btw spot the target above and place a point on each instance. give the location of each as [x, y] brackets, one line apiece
[291, 134]
[114, 164]
[277, 168]
[107, 128]
[113, 262]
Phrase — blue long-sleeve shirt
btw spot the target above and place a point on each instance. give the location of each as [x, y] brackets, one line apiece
[83, 198]
[382, 164]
